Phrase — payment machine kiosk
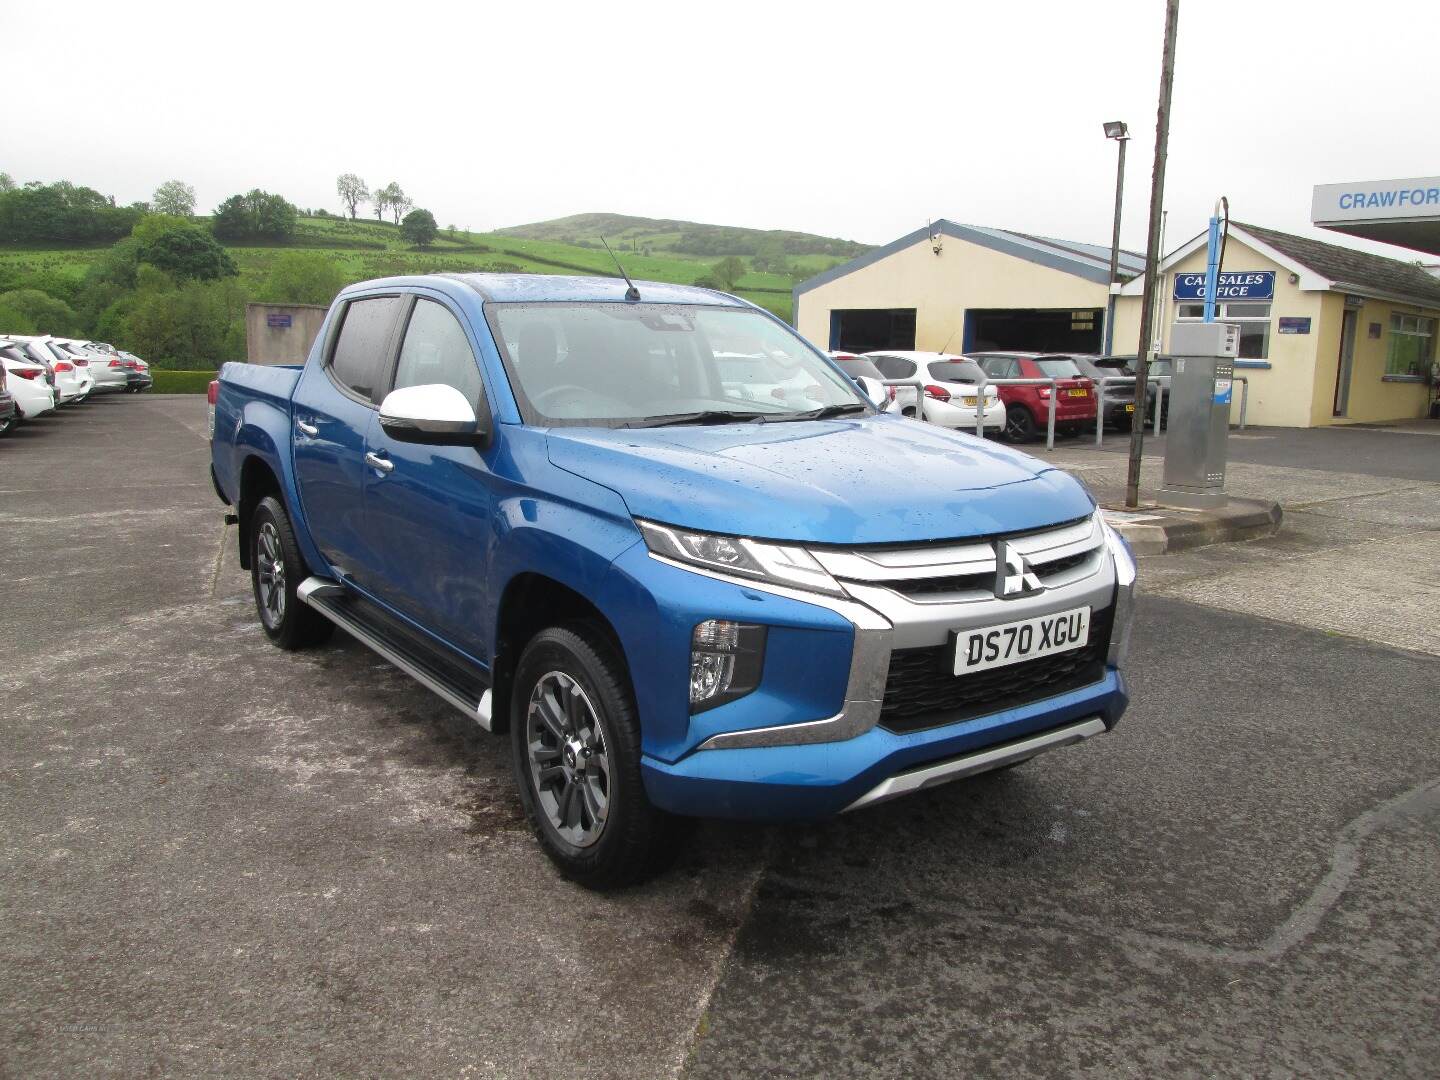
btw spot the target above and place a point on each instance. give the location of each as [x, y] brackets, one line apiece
[1199, 421]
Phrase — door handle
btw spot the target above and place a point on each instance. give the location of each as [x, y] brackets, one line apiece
[308, 430]
[375, 461]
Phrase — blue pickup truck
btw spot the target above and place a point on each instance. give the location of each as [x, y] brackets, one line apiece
[682, 595]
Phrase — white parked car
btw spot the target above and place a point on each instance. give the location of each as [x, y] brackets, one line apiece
[73, 380]
[107, 368]
[26, 380]
[951, 388]
[867, 376]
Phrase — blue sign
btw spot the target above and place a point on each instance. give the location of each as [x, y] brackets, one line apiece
[277, 322]
[1291, 325]
[1244, 285]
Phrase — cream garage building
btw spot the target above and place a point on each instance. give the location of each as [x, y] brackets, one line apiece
[1329, 335]
[956, 288]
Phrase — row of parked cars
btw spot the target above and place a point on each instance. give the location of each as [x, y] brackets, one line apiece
[41, 373]
[954, 383]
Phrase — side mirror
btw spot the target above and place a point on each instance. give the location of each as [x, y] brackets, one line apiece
[435, 413]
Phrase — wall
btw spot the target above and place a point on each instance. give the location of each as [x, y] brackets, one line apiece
[940, 288]
[265, 344]
[1371, 396]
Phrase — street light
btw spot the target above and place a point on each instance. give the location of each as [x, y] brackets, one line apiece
[1115, 129]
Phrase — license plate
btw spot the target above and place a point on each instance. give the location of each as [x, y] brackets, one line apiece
[1078, 393]
[968, 402]
[1130, 407]
[1025, 639]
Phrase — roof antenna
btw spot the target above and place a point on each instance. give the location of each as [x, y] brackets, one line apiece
[632, 293]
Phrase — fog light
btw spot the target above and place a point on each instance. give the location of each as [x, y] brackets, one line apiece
[726, 659]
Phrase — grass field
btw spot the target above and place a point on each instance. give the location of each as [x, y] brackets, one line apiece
[367, 248]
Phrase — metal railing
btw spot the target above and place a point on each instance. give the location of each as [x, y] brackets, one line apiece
[1162, 386]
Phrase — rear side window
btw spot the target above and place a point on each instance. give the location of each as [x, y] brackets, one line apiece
[436, 350]
[1001, 367]
[859, 369]
[894, 367]
[359, 356]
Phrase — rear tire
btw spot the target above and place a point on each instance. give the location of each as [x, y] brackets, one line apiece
[276, 571]
[1019, 424]
[575, 751]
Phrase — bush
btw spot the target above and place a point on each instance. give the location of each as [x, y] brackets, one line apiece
[48, 315]
[181, 382]
[13, 322]
[303, 277]
[180, 249]
[177, 326]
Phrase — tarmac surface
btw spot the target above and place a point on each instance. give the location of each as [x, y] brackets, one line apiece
[217, 858]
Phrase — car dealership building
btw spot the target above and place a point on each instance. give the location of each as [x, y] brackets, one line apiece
[1328, 334]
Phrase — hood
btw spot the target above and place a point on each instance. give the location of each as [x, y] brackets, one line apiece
[873, 480]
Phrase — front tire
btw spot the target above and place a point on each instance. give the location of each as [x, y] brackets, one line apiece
[575, 750]
[276, 571]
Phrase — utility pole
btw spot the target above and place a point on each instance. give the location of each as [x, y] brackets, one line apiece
[1152, 253]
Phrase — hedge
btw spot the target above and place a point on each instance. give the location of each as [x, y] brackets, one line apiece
[180, 382]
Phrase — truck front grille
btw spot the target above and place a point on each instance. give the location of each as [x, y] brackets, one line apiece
[922, 690]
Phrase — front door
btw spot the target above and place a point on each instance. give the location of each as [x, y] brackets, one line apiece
[429, 514]
[333, 409]
[1347, 360]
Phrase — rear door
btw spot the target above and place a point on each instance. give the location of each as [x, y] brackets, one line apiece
[332, 412]
[429, 508]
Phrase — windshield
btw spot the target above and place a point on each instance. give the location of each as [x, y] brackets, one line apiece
[858, 368]
[955, 371]
[1057, 367]
[616, 364]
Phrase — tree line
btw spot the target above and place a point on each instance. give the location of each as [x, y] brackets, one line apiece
[67, 213]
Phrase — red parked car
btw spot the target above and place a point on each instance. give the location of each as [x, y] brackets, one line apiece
[1027, 408]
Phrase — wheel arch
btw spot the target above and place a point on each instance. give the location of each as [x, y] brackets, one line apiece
[257, 480]
[531, 602]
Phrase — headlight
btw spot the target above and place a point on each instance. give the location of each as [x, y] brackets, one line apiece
[778, 564]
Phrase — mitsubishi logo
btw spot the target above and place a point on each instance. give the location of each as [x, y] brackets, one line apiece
[1013, 576]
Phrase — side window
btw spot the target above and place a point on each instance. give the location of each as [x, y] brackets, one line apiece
[359, 357]
[437, 351]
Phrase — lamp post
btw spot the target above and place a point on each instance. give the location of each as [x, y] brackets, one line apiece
[1116, 130]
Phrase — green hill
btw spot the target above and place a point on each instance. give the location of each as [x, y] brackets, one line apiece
[688, 238]
[366, 248]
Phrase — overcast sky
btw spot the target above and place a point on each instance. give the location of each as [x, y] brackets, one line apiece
[859, 121]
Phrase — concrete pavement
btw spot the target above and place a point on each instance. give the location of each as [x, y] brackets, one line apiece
[220, 858]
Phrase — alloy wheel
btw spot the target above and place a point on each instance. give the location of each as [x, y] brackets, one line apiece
[270, 575]
[569, 762]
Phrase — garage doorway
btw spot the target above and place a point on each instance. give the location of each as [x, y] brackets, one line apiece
[862, 330]
[1033, 330]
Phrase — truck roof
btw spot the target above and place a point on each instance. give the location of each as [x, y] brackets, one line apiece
[538, 288]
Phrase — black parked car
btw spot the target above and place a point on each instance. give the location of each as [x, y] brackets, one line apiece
[1119, 397]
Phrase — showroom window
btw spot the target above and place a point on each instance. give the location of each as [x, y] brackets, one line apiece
[1412, 345]
[1252, 318]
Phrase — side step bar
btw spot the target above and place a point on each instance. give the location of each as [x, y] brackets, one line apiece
[978, 762]
[331, 599]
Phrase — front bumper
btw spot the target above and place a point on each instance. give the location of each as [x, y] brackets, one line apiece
[815, 745]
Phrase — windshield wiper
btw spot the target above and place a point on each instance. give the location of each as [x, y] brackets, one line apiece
[827, 412]
[705, 416]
